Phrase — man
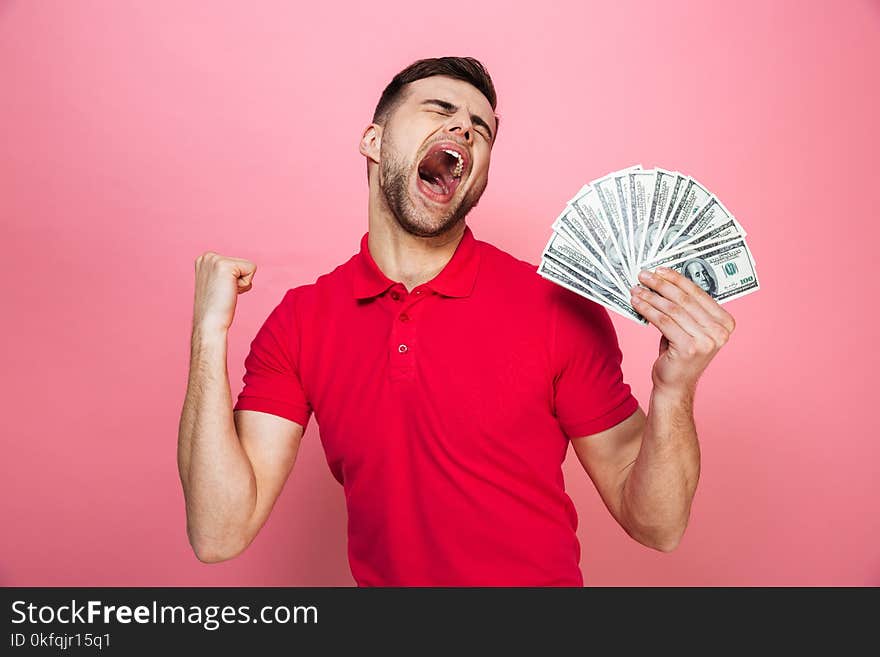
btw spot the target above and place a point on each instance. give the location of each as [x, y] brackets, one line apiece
[446, 376]
[700, 272]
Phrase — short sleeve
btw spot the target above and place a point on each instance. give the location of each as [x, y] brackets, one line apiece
[589, 392]
[271, 379]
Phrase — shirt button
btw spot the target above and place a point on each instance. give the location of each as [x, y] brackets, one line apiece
[402, 348]
[395, 296]
[404, 317]
[419, 292]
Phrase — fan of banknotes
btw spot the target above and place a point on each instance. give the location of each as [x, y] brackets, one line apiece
[638, 219]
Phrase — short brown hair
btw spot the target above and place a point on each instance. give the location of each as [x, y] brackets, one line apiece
[466, 69]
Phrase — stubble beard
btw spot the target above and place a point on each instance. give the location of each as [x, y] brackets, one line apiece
[421, 223]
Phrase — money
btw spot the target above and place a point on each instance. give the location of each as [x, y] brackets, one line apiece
[726, 271]
[601, 236]
[636, 219]
[570, 279]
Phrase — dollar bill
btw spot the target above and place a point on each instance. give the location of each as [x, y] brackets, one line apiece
[648, 230]
[693, 198]
[638, 219]
[611, 194]
[676, 184]
[560, 249]
[726, 232]
[580, 284]
[589, 209]
[642, 187]
[571, 228]
[708, 223]
[725, 271]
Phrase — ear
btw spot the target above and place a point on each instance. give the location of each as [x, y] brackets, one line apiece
[371, 142]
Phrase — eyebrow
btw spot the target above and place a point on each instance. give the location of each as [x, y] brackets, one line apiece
[449, 107]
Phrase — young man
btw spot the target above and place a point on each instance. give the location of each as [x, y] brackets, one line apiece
[446, 376]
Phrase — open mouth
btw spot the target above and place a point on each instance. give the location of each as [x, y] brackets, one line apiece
[440, 171]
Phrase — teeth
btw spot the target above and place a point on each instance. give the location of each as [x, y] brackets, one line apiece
[456, 172]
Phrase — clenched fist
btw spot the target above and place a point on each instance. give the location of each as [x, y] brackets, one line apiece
[219, 281]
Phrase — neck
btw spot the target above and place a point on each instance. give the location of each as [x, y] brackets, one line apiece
[401, 256]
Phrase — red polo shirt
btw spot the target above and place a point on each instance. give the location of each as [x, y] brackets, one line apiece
[445, 412]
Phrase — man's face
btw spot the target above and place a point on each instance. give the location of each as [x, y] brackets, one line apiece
[434, 155]
[697, 273]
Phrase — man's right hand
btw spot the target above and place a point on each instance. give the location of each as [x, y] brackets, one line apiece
[219, 281]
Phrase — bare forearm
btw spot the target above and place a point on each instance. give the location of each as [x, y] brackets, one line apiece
[660, 487]
[217, 477]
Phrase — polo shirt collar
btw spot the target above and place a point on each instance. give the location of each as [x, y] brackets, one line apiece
[456, 279]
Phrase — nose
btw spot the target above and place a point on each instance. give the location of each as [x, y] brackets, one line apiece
[461, 125]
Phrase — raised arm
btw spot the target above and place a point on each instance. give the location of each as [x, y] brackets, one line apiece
[647, 468]
[232, 465]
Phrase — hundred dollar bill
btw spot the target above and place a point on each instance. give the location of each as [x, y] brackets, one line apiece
[693, 198]
[635, 219]
[696, 251]
[549, 270]
[726, 271]
[562, 250]
[707, 224]
[642, 185]
[726, 232]
[647, 231]
[589, 209]
[582, 285]
[570, 226]
[675, 186]
[624, 202]
[578, 283]
[611, 193]
[586, 276]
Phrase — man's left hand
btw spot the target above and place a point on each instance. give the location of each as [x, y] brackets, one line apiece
[693, 324]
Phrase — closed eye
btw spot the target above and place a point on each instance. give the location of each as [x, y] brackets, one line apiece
[481, 131]
[445, 108]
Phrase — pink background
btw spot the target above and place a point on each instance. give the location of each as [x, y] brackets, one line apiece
[134, 136]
